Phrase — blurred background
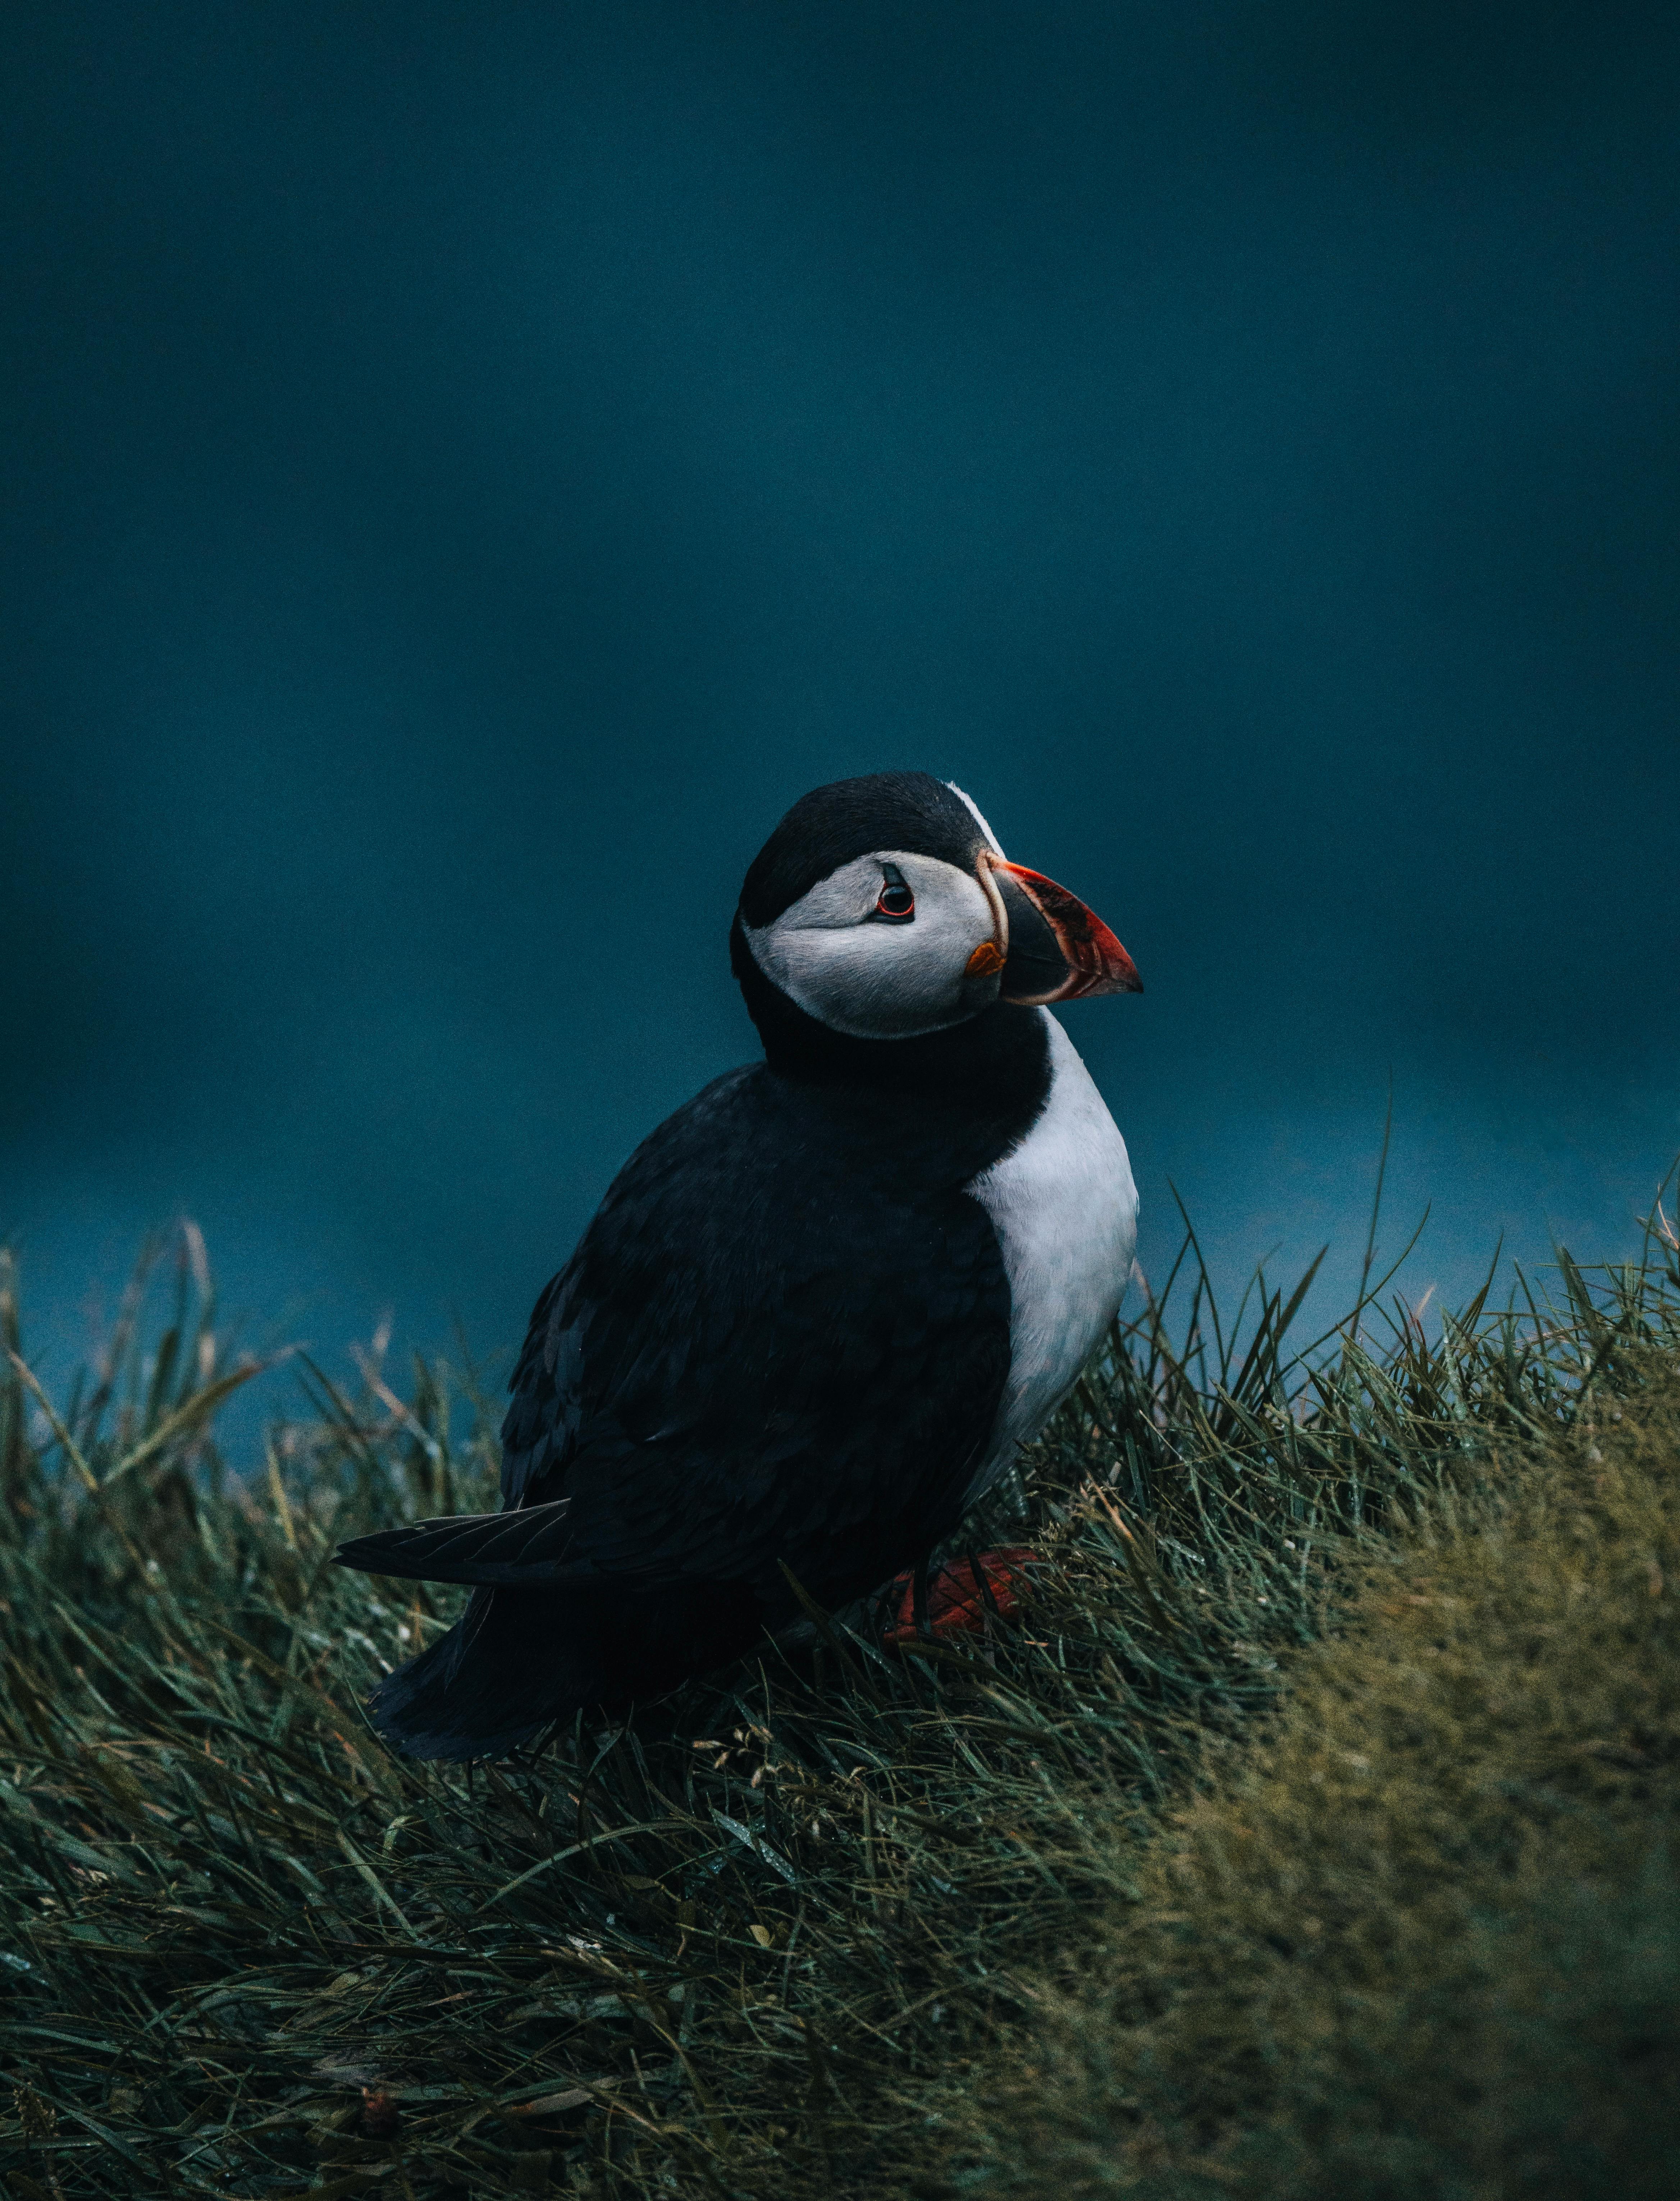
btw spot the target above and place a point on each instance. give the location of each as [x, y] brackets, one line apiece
[468, 468]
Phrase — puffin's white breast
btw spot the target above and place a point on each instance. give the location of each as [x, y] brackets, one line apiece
[1065, 1210]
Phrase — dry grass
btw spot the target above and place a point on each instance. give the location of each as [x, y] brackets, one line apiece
[783, 1933]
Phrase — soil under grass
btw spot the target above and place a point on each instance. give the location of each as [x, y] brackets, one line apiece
[1306, 1831]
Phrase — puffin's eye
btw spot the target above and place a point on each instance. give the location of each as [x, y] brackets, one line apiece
[895, 899]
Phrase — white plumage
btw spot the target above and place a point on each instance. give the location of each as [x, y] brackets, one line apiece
[1065, 1210]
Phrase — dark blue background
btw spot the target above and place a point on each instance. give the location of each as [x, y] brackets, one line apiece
[468, 468]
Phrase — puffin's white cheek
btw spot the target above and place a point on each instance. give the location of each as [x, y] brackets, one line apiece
[878, 981]
[869, 977]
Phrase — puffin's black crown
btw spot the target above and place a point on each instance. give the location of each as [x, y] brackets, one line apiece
[832, 824]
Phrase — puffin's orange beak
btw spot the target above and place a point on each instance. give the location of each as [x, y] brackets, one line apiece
[1055, 949]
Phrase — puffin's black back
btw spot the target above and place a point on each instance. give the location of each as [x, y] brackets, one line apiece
[781, 1343]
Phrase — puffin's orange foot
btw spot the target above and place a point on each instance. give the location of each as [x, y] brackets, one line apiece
[956, 1600]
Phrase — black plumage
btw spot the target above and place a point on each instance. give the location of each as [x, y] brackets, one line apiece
[779, 1347]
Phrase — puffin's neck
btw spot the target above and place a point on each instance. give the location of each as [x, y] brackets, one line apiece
[997, 1061]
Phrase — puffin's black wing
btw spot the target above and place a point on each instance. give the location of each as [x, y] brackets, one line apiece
[783, 1340]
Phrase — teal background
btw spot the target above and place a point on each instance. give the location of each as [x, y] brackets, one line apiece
[467, 469]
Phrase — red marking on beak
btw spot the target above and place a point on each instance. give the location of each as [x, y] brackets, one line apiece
[1096, 963]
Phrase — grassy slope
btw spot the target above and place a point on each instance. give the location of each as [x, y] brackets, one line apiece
[810, 1925]
[1423, 1939]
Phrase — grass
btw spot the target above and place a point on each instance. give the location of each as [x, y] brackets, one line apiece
[1423, 1940]
[1307, 1831]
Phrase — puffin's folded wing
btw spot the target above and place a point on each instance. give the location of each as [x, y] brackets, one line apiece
[768, 1351]
[500, 1550]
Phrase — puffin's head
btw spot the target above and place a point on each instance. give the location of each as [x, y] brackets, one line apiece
[884, 908]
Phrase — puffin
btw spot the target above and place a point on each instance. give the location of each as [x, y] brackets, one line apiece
[820, 1309]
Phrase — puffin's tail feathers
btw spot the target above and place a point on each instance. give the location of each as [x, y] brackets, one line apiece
[515, 1549]
[505, 1672]
[521, 1661]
